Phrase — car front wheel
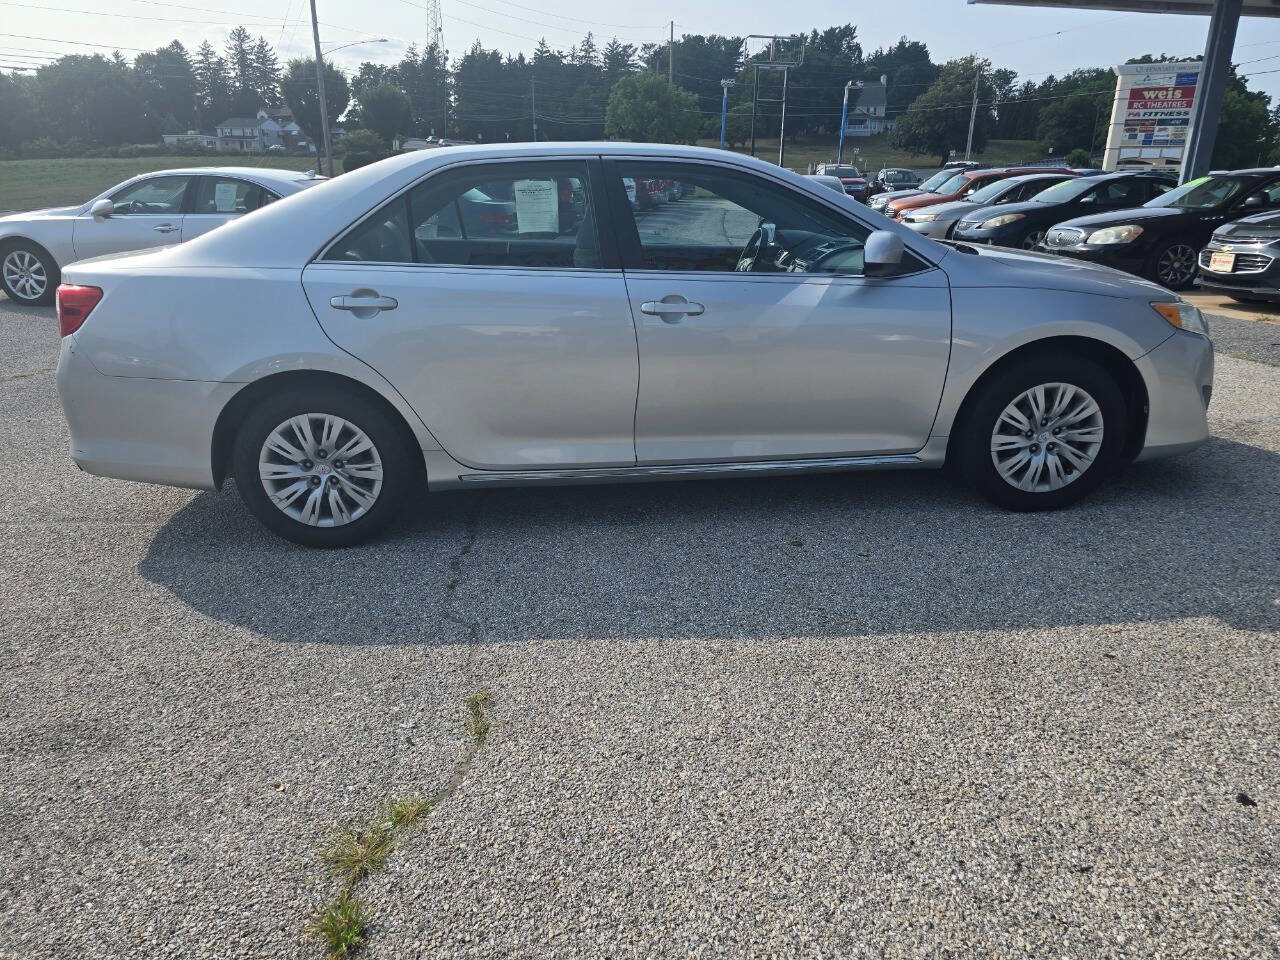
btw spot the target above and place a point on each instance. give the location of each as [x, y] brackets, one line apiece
[28, 274]
[323, 468]
[1173, 264]
[1043, 433]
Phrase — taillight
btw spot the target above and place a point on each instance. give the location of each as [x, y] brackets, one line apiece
[75, 303]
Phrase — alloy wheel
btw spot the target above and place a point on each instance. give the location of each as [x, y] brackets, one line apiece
[1177, 265]
[25, 274]
[1047, 437]
[1034, 237]
[321, 470]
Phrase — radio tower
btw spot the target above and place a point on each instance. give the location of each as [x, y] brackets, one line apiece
[433, 24]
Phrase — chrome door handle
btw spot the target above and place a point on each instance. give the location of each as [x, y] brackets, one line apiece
[671, 308]
[164, 228]
[373, 303]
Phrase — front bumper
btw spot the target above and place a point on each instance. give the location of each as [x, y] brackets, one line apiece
[1120, 256]
[137, 428]
[1257, 276]
[1009, 235]
[1179, 379]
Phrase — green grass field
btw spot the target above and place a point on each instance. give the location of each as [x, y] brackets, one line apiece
[31, 184]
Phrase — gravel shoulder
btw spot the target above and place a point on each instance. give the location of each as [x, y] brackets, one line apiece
[862, 716]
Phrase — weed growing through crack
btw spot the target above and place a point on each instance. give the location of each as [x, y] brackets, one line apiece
[406, 811]
[477, 722]
[354, 854]
[340, 925]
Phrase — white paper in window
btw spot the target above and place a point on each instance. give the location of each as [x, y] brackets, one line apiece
[537, 206]
[224, 197]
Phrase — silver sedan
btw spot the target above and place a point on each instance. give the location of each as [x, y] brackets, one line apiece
[341, 351]
[150, 210]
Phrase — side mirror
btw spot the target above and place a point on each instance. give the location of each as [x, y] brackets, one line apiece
[1253, 202]
[102, 209]
[882, 254]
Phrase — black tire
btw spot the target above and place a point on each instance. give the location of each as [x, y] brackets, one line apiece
[1160, 263]
[52, 276]
[401, 469]
[973, 449]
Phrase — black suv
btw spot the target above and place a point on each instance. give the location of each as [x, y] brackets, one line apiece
[1160, 239]
[1242, 260]
[1025, 224]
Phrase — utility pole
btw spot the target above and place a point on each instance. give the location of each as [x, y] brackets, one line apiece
[533, 103]
[844, 118]
[782, 126]
[671, 55]
[324, 112]
[724, 106]
[973, 112]
[755, 98]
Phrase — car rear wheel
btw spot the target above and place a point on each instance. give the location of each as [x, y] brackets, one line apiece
[1173, 264]
[28, 274]
[1043, 433]
[322, 468]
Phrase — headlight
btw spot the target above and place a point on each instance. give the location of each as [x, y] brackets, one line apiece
[922, 218]
[1125, 234]
[1182, 315]
[1000, 221]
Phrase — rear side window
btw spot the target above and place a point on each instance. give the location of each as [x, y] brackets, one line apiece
[525, 214]
[228, 195]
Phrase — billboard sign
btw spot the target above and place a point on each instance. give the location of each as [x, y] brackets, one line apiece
[1151, 115]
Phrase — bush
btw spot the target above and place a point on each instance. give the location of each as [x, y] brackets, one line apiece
[1079, 157]
[359, 148]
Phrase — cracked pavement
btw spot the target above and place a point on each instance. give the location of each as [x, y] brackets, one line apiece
[853, 716]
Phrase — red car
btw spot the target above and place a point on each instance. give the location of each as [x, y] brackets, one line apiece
[855, 184]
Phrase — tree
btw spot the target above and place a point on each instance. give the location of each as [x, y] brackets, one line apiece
[386, 111]
[94, 99]
[645, 107]
[302, 95]
[168, 86]
[212, 87]
[265, 70]
[617, 60]
[359, 148]
[240, 68]
[19, 116]
[1079, 111]
[909, 70]
[938, 121]
[1247, 130]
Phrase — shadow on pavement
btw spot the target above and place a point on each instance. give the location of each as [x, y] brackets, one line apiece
[833, 555]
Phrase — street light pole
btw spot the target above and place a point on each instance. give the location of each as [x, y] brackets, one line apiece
[324, 112]
[724, 106]
[973, 112]
[844, 118]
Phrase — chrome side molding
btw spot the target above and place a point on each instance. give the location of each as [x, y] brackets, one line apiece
[690, 471]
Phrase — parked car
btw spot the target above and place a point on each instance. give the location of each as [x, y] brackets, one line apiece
[960, 185]
[152, 210]
[894, 178]
[1162, 238]
[855, 184]
[880, 201]
[832, 183]
[1242, 259]
[939, 220]
[964, 165]
[1025, 224]
[772, 330]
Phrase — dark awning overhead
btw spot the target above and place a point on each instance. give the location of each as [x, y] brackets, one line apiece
[1250, 8]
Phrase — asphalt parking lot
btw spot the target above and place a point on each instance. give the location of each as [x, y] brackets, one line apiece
[839, 716]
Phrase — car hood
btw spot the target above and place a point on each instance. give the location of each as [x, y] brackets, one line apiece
[1265, 225]
[1007, 267]
[922, 200]
[893, 195]
[1129, 215]
[46, 212]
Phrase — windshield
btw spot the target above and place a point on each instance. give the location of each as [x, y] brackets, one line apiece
[952, 185]
[992, 191]
[1201, 194]
[1066, 190]
[939, 178]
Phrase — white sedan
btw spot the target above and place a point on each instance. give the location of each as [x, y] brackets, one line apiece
[151, 210]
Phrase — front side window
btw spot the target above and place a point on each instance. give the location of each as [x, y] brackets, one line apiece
[161, 196]
[228, 195]
[732, 221]
[1204, 193]
[527, 214]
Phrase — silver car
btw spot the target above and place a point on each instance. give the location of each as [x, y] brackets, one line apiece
[337, 361]
[938, 220]
[151, 210]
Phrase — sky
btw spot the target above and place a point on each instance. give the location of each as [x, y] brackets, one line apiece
[1034, 42]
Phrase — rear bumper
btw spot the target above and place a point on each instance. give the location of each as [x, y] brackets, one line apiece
[1179, 379]
[136, 428]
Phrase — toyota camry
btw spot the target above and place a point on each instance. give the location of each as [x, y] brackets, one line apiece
[356, 343]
